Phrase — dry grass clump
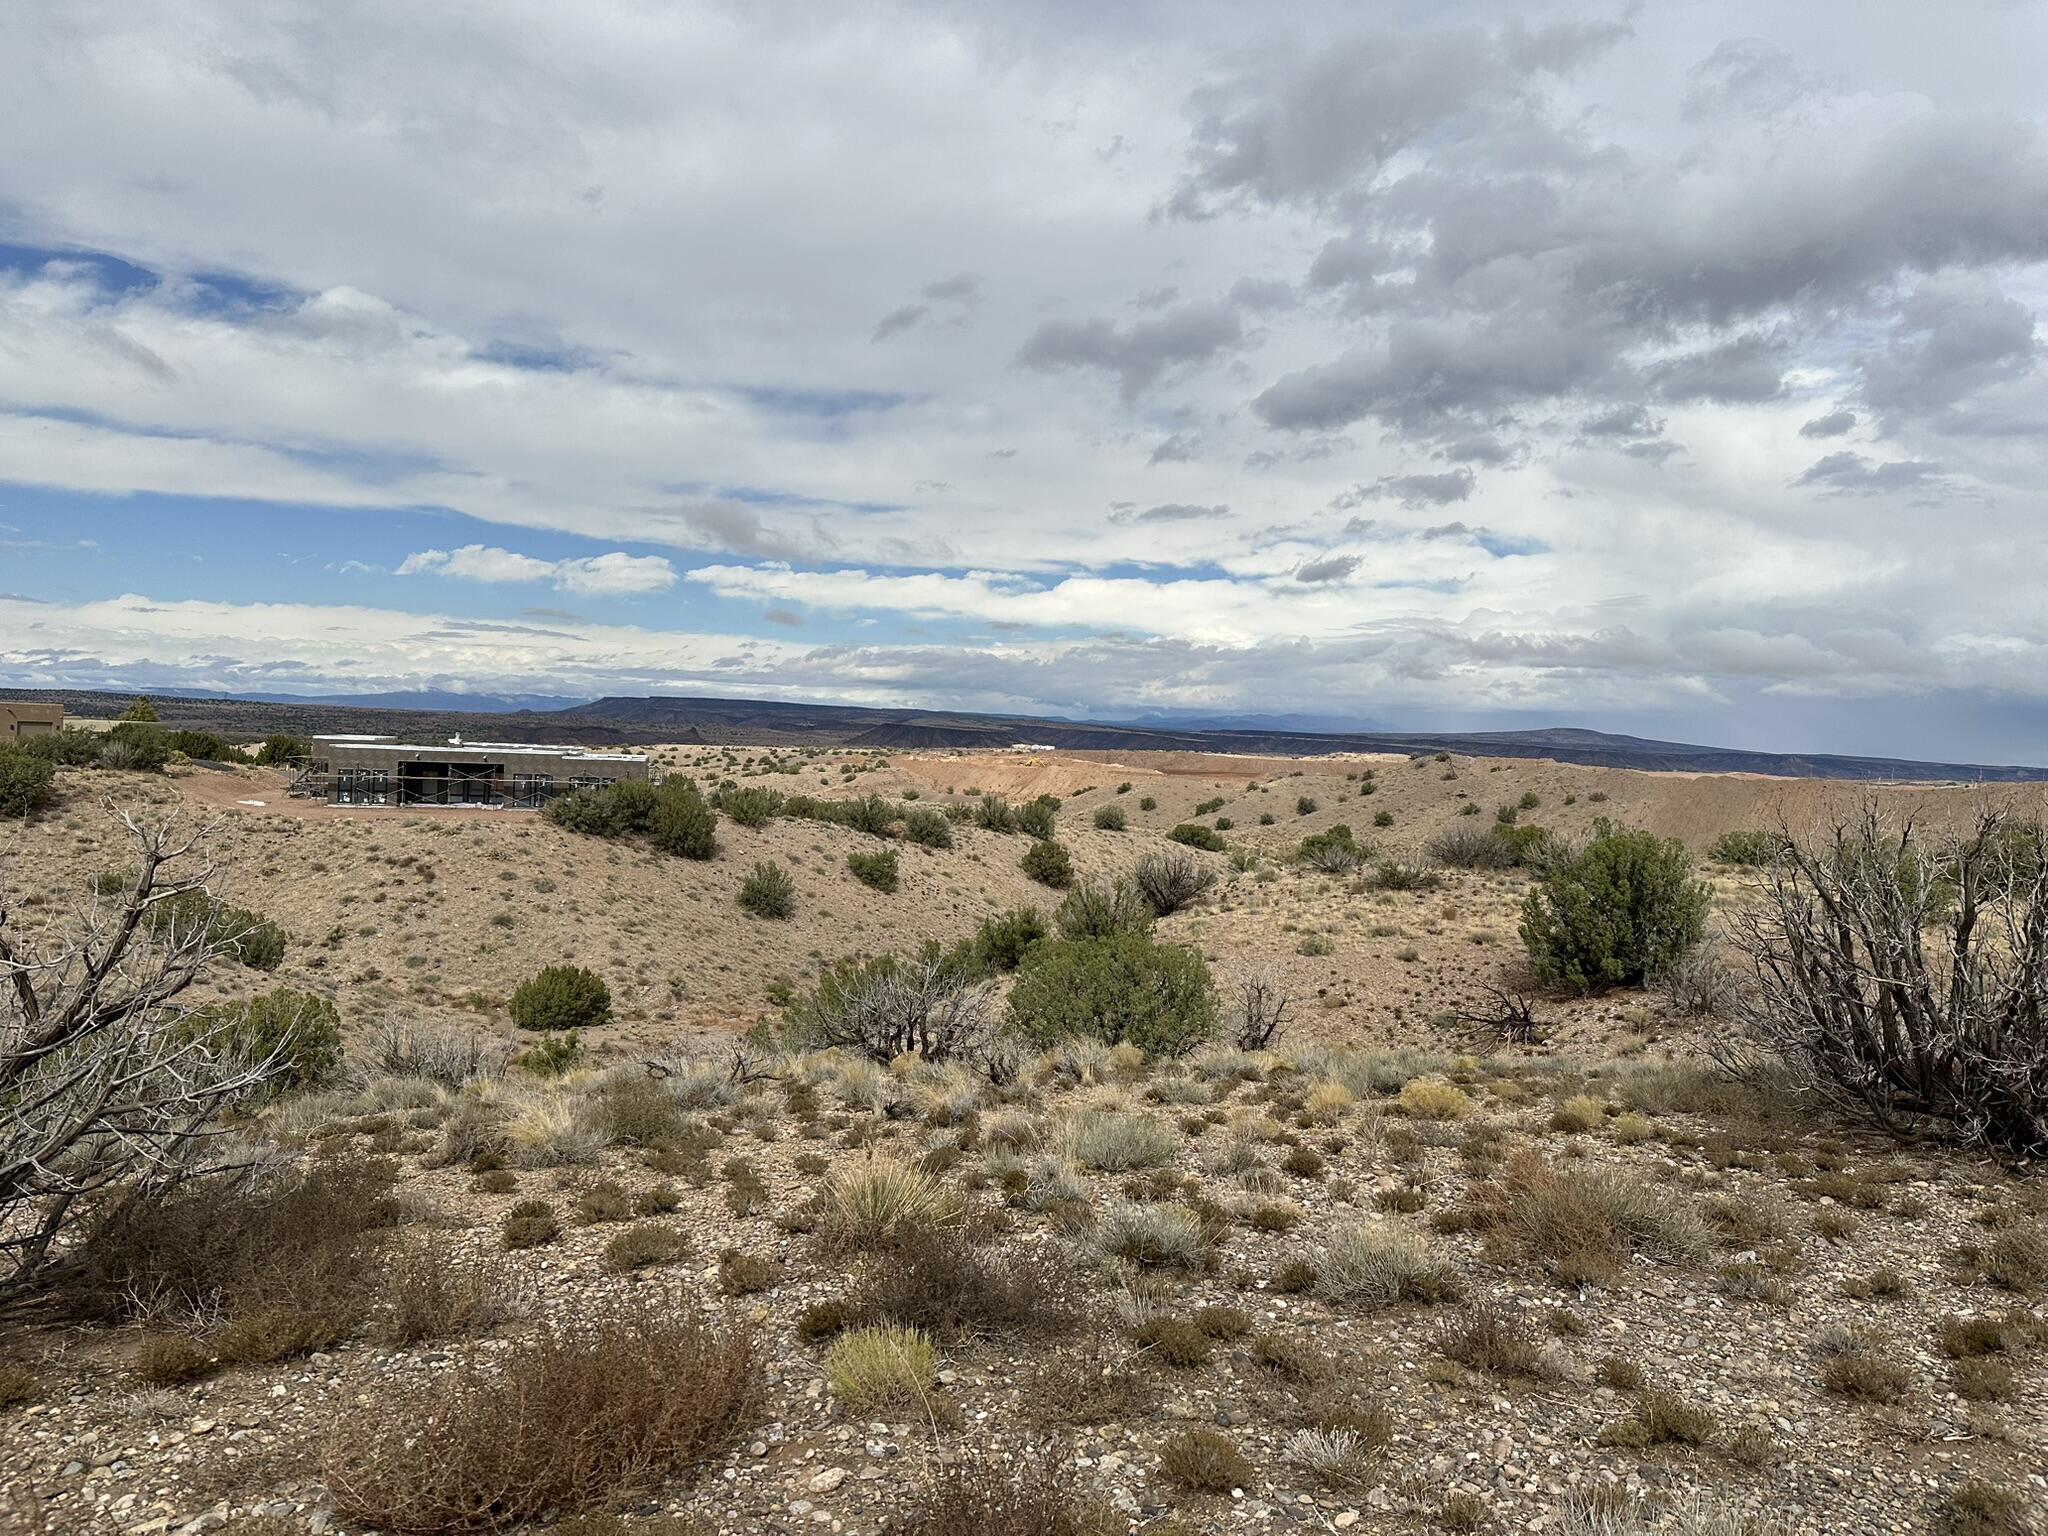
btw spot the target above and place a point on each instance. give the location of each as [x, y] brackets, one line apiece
[881, 1366]
[1432, 1098]
[646, 1245]
[1978, 1508]
[1660, 1418]
[1610, 1511]
[1585, 1223]
[1203, 1461]
[1154, 1235]
[575, 1412]
[1376, 1264]
[871, 1203]
[1580, 1113]
[1856, 1367]
[1110, 1141]
[1030, 1492]
[170, 1360]
[1336, 1458]
[430, 1293]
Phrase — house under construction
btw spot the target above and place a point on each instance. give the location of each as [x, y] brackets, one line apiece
[382, 770]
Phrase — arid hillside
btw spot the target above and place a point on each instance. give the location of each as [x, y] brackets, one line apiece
[1396, 1269]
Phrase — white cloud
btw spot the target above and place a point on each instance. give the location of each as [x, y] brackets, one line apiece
[595, 575]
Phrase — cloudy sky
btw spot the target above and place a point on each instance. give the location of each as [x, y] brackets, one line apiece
[1668, 367]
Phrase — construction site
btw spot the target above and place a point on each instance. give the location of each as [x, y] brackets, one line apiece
[383, 770]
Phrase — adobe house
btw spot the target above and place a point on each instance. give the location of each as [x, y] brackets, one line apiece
[382, 770]
[19, 719]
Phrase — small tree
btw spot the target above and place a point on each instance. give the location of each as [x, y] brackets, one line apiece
[562, 997]
[1620, 910]
[141, 710]
[110, 1090]
[278, 750]
[1905, 980]
[1110, 818]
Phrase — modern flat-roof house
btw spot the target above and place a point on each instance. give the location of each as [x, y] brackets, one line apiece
[18, 719]
[382, 770]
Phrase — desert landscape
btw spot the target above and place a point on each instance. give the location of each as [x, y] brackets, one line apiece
[1391, 1232]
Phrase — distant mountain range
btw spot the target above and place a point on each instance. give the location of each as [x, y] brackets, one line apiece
[616, 721]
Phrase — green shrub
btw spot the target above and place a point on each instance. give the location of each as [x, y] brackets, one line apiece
[1747, 850]
[1195, 835]
[749, 806]
[1171, 880]
[141, 710]
[1000, 942]
[928, 829]
[1110, 818]
[247, 936]
[28, 782]
[1147, 803]
[1048, 863]
[992, 813]
[1157, 997]
[1207, 806]
[562, 998]
[1038, 818]
[200, 746]
[1096, 909]
[1383, 818]
[300, 1029]
[551, 1056]
[278, 750]
[875, 869]
[768, 891]
[1624, 908]
[681, 823]
[68, 748]
[145, 748]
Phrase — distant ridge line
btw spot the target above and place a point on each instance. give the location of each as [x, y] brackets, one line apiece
[771, 722]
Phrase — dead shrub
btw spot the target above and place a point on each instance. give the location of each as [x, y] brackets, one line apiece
[1092, 1384]
[430, 1293]
[642, 1390]
[1030, 1492]
[645, 1246]
[298, 1241]
[1488, 1339]
[953, 1287]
